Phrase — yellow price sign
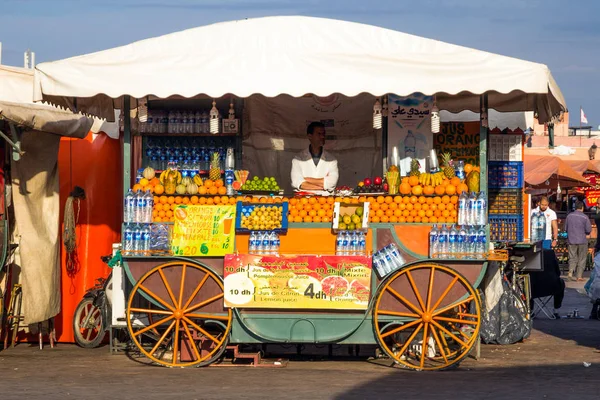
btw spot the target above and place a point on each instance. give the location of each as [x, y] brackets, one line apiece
[203, 231]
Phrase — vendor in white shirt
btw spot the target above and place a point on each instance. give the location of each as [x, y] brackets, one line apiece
[314, 169]
[551, 238]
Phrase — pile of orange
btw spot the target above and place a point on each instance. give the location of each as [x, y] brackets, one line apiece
[312, 209]
[153, 185]
[450, 187]
[213, 188]
[413, 209]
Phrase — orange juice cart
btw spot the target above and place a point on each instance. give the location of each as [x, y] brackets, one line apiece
[200, 287]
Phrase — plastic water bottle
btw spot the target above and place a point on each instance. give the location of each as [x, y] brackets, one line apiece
[128, 243]
[137, 239]
[191, 125]
[129, 207]
[146, 239]
[352, 244]
[138, 211]
[339, 243]
[481, 210]
[345, 243]
[172, 127]
[148, 207]
[252, 244]
[198, 122]
[481, 243]
[275, 243]
[379, 265]
[462, 242]
[472, 206]
[266, 243]
[453, 241]
[463, 207]
[362, 244]
[394, 253]
[205, 122]
[471, 242]
[433, 242]
[443, 242]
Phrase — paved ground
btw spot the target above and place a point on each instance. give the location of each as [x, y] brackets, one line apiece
[549, 365]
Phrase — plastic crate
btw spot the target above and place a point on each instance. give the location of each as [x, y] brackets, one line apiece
[245, 209]
[506, 228]
[505, 175]
[505, 201]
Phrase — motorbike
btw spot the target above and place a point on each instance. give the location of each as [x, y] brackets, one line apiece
[92, 316]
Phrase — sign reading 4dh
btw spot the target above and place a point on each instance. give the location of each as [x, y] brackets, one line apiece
[308, 282]
[203, 230]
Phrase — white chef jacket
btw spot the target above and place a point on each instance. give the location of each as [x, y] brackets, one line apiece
[303, 166]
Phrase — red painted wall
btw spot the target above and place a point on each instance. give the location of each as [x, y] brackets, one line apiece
[94, 164]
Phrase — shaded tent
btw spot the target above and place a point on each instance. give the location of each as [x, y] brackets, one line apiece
[578, 160]
[548, 171]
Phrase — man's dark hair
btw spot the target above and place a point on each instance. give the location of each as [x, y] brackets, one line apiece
[579, 205]
[311, 127]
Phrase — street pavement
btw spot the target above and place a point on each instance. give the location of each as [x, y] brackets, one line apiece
[548, 365]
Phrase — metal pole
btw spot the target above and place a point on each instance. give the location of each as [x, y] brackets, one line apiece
[550, 135]
[483, 133]
[384, 144]
[0, 53]
[126, 144]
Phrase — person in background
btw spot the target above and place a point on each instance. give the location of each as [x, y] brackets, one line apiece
[551, 239]
[578, 227]
[314, 169]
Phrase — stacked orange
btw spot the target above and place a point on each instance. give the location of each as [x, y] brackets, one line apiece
[312, 209]
[413, 209]
[153, 185]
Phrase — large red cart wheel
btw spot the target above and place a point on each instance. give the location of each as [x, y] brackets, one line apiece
[427, 317]
[176, 315]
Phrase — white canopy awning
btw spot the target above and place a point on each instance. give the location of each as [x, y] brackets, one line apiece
[296, 56]
[16, 84]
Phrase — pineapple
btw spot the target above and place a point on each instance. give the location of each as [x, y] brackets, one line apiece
[215, 169]
[447, 168]
[414, 168]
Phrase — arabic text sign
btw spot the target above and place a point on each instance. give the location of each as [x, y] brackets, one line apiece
[203, 230]
[299, 282]
[461, 139]
[591, 197]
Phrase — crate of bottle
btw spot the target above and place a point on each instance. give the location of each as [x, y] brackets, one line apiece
[505, 175]
[506, 228]
[505, 201]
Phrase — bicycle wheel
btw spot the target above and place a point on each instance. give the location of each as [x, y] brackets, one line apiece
[88, 326]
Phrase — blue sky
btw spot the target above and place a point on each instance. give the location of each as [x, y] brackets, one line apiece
[565, 35]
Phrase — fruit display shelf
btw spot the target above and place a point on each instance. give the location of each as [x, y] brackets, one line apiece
[257, 211]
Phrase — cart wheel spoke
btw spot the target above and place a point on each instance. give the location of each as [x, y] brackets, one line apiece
[167, 286]
[170, 341]
[204, 303]
[438, 343]
[437, 337]
[415, 290]
[403, 300]
[424, 344]
[401, 328]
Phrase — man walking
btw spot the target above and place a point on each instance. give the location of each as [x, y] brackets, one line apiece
[578, 226]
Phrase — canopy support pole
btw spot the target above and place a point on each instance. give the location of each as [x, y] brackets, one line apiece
[16, 142]
[126, 144]
[483, 134]
[384, 144]
[550, 135]
[16, 147]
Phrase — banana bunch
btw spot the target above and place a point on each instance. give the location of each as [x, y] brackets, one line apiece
[198, 180]
[165, 173]
[431, 179]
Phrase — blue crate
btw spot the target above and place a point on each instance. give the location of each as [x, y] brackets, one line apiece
[243, 208]
[505, 174]
[506, 227]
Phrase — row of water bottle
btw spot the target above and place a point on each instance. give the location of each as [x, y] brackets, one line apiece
[138, 207]
[136, 239]
[264, 242]
[176, 121]
[457, 243]
[387, 260]
[189, 153]
[538, 227]
[351, 243]
[472, 209]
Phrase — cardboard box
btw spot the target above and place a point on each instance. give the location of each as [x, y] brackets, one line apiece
[349, 209]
